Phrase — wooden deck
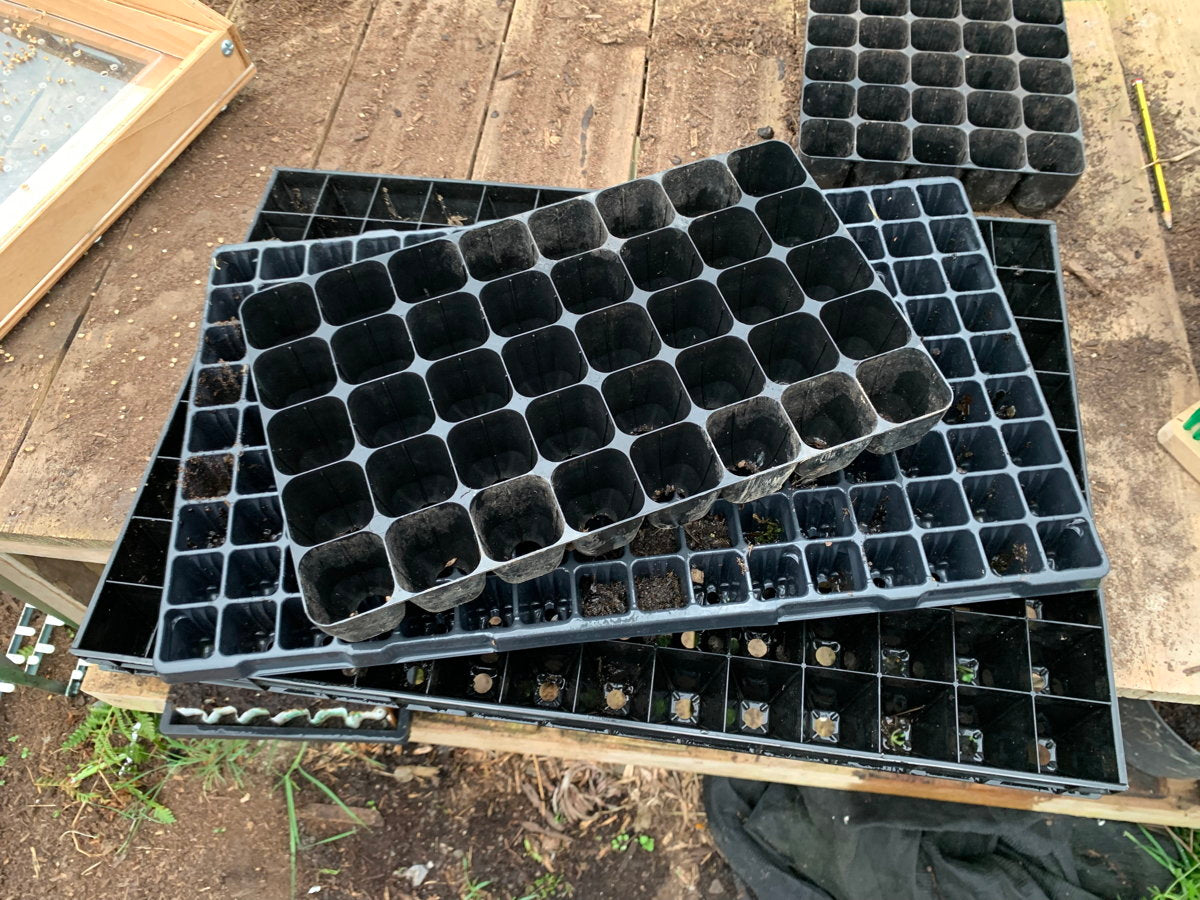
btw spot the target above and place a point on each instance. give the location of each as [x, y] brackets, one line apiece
[580, 94]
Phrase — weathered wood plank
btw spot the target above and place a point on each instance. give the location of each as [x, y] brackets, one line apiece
[711, 84]
[1135, 372]
[567, 96]
[415, 101]
[73, 479]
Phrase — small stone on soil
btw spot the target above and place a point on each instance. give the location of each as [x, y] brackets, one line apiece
[766, 132]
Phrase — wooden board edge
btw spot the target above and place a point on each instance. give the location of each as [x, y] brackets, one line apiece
[1177, 806]
[60, 587]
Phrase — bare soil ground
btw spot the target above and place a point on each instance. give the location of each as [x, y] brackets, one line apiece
[529, 827]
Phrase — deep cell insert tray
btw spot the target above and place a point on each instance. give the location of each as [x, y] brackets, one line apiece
[977, 89]
[476, 403]
[268, 630]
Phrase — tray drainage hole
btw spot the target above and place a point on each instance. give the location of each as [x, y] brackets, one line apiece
[766, 168]
[344, 578]
[836, 568]
[895, 562]
[549, 690]
[593, 280]
[517, 517]
[355, 292]
[701, 187]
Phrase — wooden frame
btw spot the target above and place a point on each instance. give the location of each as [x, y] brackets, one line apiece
[193, 63]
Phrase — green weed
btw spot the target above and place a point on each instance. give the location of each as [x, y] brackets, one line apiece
[547, 886]
[127, 762]
[1183, 865]
[472, 889]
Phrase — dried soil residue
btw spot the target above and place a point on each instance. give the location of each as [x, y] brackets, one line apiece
[603, 598]
[652, 541]
[655, 592]
[1184, 719]
[709, 533]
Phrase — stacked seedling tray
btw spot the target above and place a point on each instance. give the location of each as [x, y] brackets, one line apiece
[847, 674]
[907, 513]
[978, 89]
[476, 403]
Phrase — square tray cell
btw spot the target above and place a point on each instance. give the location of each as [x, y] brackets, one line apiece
[457, 317]
[981, 90]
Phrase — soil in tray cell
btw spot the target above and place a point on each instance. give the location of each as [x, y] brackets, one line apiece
[709, 533]
[656, 592]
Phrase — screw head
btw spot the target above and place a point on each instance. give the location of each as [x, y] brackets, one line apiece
[227, 47]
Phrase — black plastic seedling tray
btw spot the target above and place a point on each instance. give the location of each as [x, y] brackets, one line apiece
[477, 403]
[118, 631]
[269, 632]
[977, 89]
[1015, 692]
